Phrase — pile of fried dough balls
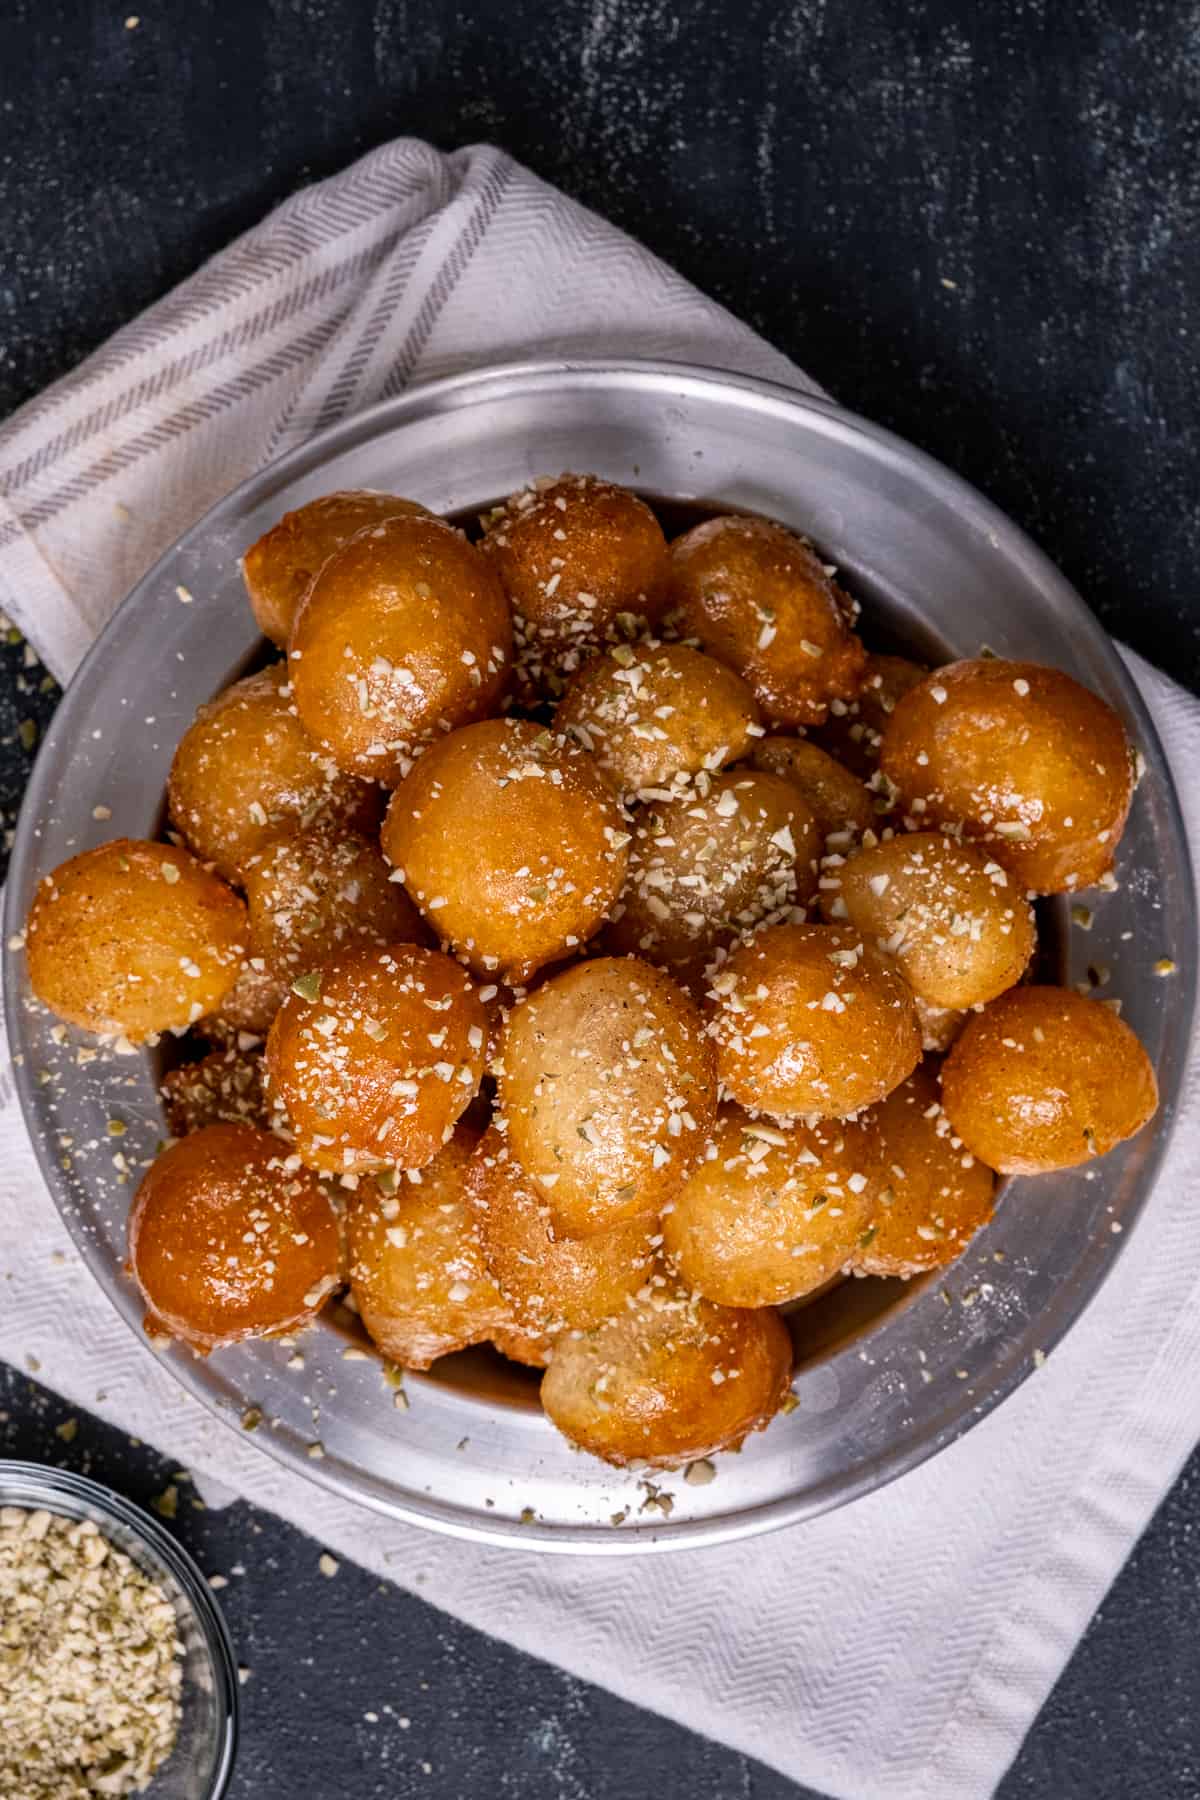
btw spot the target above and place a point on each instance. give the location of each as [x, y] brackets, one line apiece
[598, 901]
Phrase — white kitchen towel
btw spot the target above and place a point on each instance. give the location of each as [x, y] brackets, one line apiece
[896, 1650]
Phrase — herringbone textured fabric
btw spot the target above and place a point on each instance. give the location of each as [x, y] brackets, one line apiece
[897, 1650]
[408, 266]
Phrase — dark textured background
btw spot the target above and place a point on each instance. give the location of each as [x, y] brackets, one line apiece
[974, 223]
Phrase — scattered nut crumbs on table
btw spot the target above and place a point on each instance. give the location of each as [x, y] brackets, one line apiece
[90, 1663]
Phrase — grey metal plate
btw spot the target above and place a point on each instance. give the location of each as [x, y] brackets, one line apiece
[888, 1373]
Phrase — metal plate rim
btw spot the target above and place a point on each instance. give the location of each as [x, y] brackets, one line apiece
[391, 415]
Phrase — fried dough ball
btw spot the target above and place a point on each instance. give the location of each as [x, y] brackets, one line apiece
[837, 799]
[278, 569]
[607, 1087]
[711, 865]
[404, 633]
[671, 1379]
[551, 1282]
[583, 562]
[952, 918]
[224, 1087]
[248, 1009]
[931, 1196]
[498, 1003]
[1024, 759]
[376, 1056]
[230, 1239]
[522, 1346]
[854, 729]
[811, 1019]
[322, 892]
[134, 938]
[416, 1267]
[759, 598]
[246, 769]
[770, 1213]
[1045, 1079]
[648, 712]
[940, 1025]
[510, 842]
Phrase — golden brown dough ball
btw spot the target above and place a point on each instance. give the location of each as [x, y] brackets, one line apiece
[583, 562]
[837, 799]
[416, 1266]
[956, 923]
[853, 732]
[229, 1238]
[607, 1087]
[375, 1057]
[246, 769]
[278, 569]
[1023, 759]
[740, 849]
[405, 633]
[550, 1281]
[759, 598]
[770, 1212]
[811, 1019]
[648, 712]
[931, 1196]
[224, 1087]
[319, 893]
[134, 938]
[248, 1009]
[510, 842]
[671, 1379]
[940, 1025]
[498, 1002]
[1044, 1079]
[522, 1346]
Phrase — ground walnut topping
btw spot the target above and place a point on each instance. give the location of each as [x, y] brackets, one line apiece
[89, 1663]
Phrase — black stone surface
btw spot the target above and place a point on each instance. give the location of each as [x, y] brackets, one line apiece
[976, 224]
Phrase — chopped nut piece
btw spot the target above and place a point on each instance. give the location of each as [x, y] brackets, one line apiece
[91, 1658]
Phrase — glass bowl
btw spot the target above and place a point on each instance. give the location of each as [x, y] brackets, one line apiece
[200, 1765]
